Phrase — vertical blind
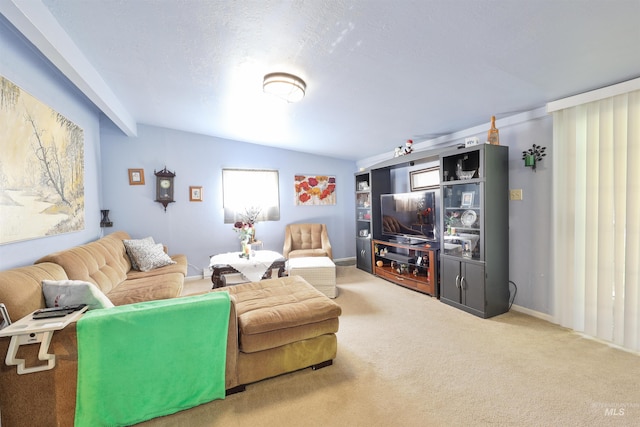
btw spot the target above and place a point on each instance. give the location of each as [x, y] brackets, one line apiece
[596, 218]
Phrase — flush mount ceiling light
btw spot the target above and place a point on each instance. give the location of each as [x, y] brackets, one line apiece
[285, 86]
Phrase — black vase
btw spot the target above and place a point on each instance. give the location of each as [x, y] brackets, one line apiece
[105, 222]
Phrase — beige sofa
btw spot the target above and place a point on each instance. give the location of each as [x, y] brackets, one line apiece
[106, 264]
[275, 326]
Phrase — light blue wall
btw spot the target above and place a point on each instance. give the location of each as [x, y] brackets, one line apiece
[20, 63]
[530, 234]
[196, 228]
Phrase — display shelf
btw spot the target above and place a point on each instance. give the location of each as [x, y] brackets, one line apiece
[474, 260]
[368, 187]
[411, 266]
[363, 205]
[398, 258]
[462, 160]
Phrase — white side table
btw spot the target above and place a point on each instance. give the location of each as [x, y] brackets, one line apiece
[32, 331]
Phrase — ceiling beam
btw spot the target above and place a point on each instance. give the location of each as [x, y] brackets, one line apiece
[36, 23]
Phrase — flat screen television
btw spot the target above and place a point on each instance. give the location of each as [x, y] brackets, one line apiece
[411, 217]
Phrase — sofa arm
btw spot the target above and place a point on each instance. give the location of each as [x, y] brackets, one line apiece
[231, 373]
[45, 398]
[48, 398]
[288, 239]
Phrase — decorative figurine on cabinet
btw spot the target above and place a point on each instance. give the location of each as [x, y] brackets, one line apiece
[493, 136]
[402, 151]
[408, 147]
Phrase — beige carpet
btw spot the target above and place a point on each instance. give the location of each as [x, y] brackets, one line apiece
[406, 359]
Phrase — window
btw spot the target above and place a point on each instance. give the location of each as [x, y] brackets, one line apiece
[250, 190]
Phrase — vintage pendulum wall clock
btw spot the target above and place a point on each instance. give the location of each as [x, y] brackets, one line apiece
[164, 187]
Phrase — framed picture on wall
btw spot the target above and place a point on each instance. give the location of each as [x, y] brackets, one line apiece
[315, 190]
[136, 176]
[195, 194]
[35, 136]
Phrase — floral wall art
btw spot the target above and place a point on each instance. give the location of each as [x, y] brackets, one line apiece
[315, 190]
[41, 168]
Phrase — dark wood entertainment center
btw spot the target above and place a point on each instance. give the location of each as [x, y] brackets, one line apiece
[467, 264]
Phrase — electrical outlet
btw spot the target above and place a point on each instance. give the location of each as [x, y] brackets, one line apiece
[515, 194]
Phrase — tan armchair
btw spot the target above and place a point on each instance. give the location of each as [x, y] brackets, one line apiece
[306, 240]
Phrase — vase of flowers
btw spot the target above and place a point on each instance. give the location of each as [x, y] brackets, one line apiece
[246, 249]
[245, 234]
[246, 229]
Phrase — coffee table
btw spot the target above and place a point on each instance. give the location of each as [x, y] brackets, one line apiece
[258, 267]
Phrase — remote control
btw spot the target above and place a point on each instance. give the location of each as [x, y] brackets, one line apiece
[46, 313]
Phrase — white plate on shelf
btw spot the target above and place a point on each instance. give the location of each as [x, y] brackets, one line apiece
[468, 218]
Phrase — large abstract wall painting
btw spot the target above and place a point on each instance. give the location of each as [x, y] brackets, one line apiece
[315, 190]
[41, 168]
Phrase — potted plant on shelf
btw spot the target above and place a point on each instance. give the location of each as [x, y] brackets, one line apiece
[533, 155]
[451, 220]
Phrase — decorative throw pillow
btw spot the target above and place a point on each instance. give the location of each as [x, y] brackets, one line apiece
[131, 243]
[150, 257]
[59, 293]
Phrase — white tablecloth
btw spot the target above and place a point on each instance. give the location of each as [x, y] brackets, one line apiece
[253, 268]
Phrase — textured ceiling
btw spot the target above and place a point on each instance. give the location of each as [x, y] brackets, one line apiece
[377, 71]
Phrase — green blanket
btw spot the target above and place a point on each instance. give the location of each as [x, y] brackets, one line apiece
[140, 361]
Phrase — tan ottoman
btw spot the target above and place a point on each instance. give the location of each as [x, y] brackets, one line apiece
[319, 271]
[283, 325]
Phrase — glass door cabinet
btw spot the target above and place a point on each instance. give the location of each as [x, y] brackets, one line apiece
[369, 186]
[475, 224]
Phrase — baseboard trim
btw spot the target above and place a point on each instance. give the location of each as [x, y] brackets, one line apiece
[532, 313]
[345, 261]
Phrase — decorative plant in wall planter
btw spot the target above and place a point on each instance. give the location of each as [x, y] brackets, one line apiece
[533, 155]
